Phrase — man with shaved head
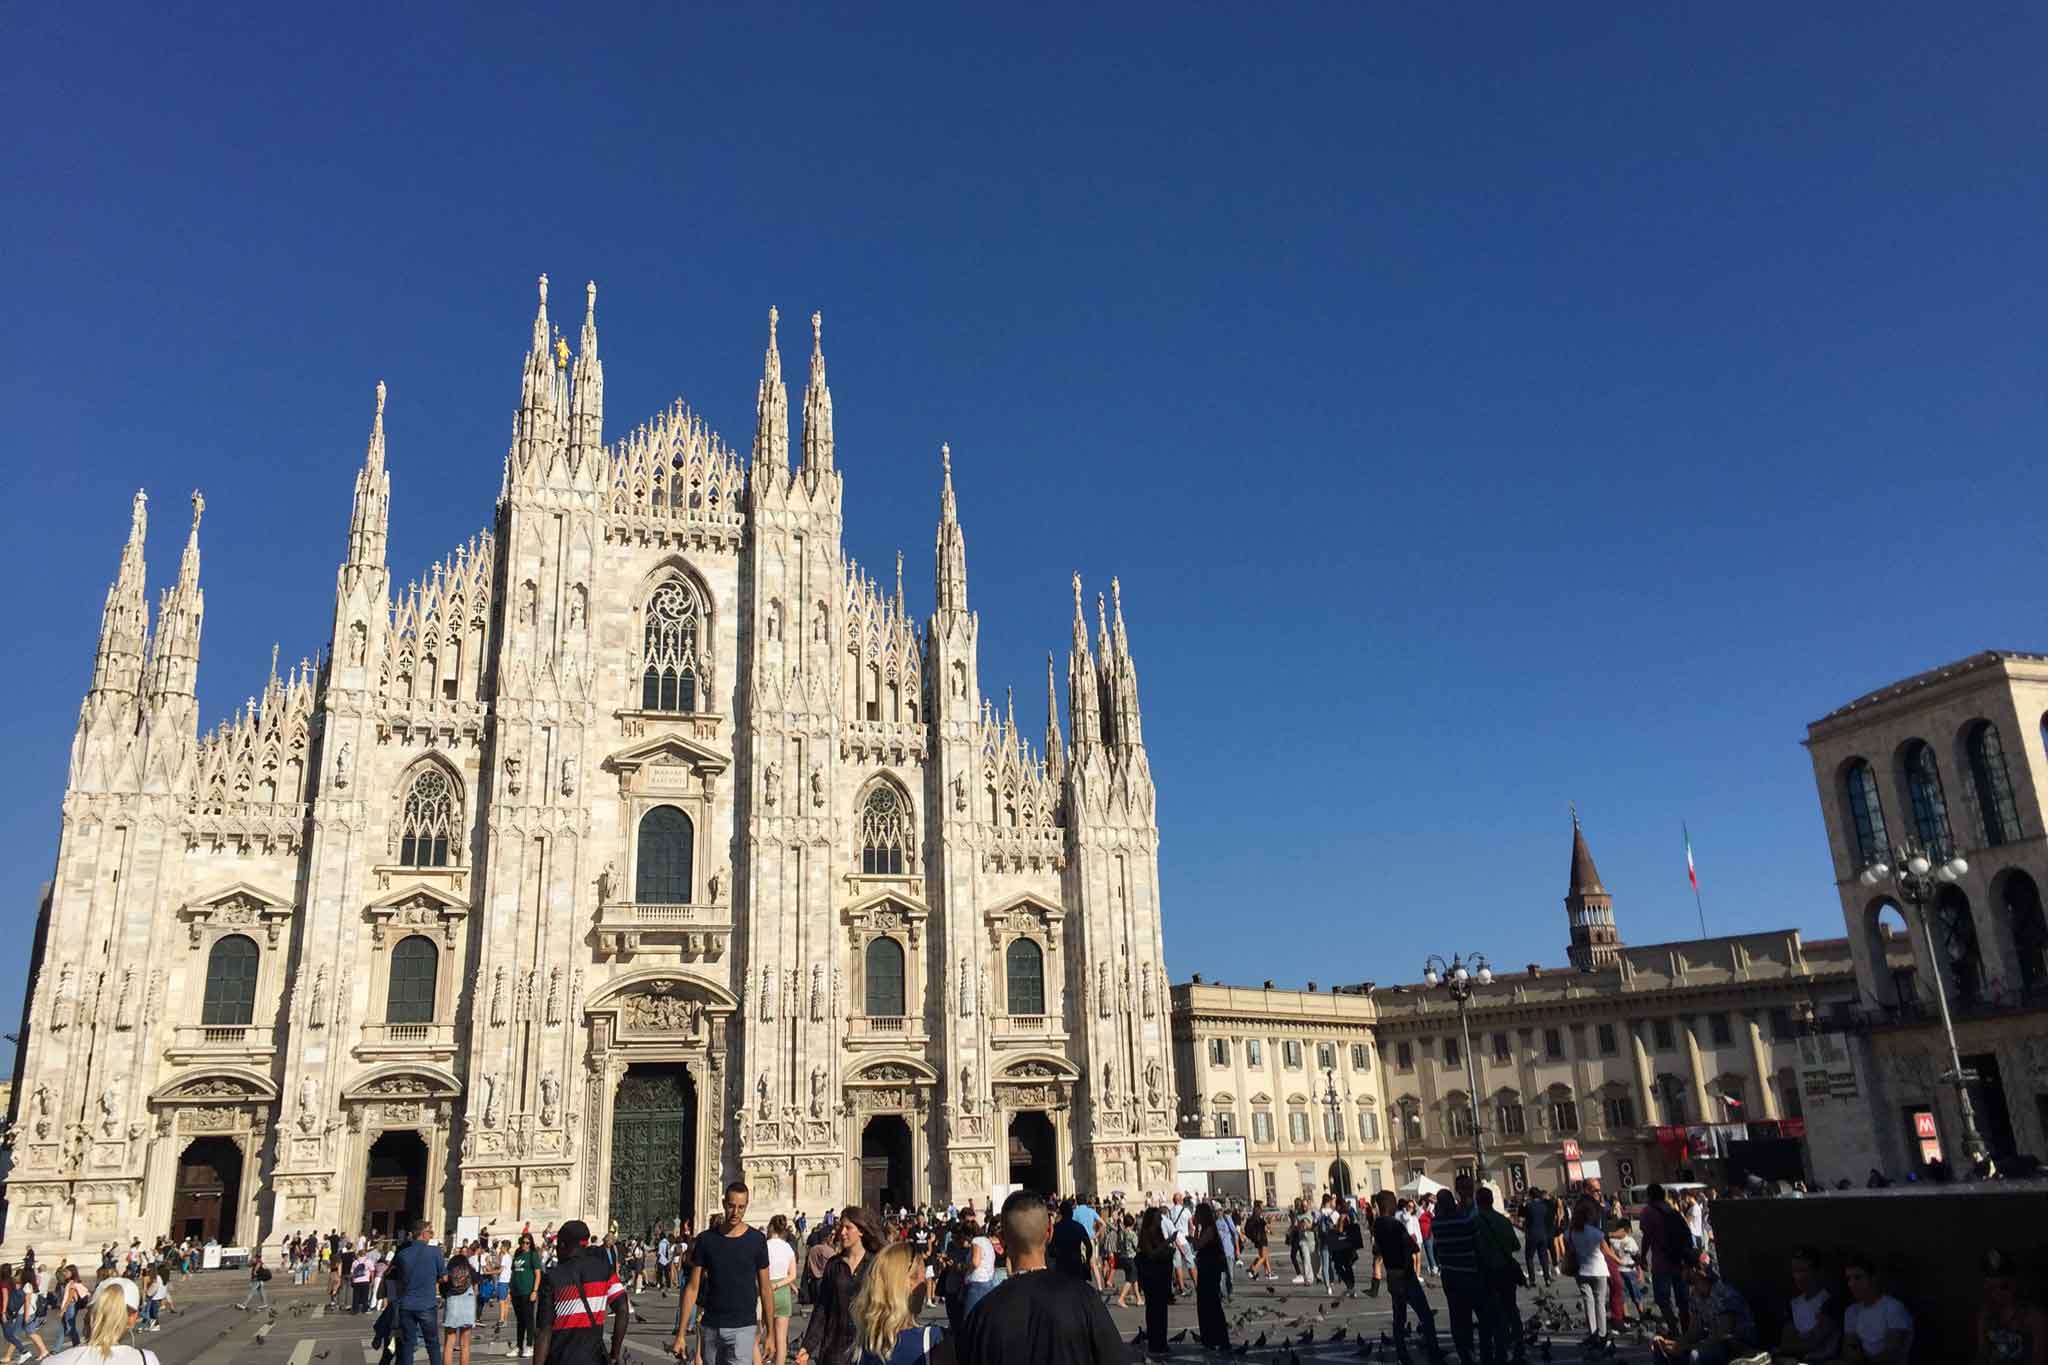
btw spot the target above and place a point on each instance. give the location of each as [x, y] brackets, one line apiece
[1034, 1317]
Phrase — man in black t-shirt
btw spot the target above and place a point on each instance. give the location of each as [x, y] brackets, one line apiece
[729, 1274]
[1397, 1252]
[1033, 1318]
[1071, 1249]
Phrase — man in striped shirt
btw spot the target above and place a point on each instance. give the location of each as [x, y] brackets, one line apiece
[575, 1295]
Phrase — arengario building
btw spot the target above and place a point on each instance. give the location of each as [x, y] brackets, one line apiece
[641, 843]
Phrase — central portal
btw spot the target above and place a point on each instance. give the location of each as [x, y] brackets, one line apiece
[885, 1163]
[209, 1191]
[395, 1186]
[654, 1149]
[1033, 1152]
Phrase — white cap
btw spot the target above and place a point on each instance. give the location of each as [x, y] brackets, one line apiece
[129, 1291]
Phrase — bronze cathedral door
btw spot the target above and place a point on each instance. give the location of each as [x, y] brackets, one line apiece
[654, 1149]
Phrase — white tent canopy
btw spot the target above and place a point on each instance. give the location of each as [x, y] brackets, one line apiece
[1421, 1185]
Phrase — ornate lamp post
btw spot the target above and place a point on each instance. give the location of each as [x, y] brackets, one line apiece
[1343, 1189]
[1912, 873]
[1459, 976]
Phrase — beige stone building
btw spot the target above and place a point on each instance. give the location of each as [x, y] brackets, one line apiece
[1646, 1060]
[642, 842]
[1951, 761]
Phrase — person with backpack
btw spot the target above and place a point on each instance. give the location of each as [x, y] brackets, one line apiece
[115, 1309]
[458, 1311]
[259, 1286]
[1669, 1243]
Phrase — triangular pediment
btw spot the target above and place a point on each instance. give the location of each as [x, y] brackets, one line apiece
[246, 893]
[909, 906]
[1262, 1098]
[438, 895]
[1038, 907]
[668, 748]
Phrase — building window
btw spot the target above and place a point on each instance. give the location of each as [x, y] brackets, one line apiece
[1226, 1123]
[1553, 1044]
[1620, 1112]
[1411, 1122]
[668, 680]
[1297, 1126]
[1994, 785]
[1502, 1055]
[1734, 1104]
[1254, 1054]
[885, 978]
[1262, 1127]
[1667, 1036]
[1605, 1034]
[1452, 1056]
[1866, 816]
[1024, 971]
[1333, 1125]
[1404, 1056]
[2029, 928]
[427, 823]
[1956, 929]
[1930, 806]
[1717, 1029]
[1219, 1052]
[230, 983]
[662, 871]
[1272, 1195]
[414, 965]
[1781, 1025]
[1460, 1120]
[1368, 1126]
[1790, 1102]
[1514, 1122]
[1564, 1116]
[1326, 1056]
[884, 831]
[1361, 1057]
[1290, 1054]
[1671, 1097]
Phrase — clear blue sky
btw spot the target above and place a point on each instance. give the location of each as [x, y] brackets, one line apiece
[1484, 407]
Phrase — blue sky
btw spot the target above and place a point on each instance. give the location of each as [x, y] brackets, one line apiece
[1485, 407]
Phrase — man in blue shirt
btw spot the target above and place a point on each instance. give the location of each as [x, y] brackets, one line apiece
[417, 1269]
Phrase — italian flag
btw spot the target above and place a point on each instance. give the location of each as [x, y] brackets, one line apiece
[1692, 873]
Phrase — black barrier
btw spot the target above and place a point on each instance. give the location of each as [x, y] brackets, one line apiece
[1925, 1240]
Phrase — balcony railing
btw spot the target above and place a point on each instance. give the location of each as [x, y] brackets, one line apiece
[220, 1040]
[892, 1025]
[693, 931]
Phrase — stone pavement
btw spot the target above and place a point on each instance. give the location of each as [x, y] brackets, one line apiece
[208, 1330]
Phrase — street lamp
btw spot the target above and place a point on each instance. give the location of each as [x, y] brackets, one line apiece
[1343, 1190]
[1912, 874]
[1459, 976]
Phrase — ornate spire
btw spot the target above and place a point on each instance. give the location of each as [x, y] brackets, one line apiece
[1122, 673]
[899, 584]
[536, 427]
[188, 563]
[124, 622]
[1083, 695]
[817, 405]
[1055, 750]
[952, 544]
[586, 406]
[369, 519]
[174, 654]
[771, 408]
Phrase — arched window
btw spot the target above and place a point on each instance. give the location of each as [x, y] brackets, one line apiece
[1955, 933]
[1671, 1098]
[885, 979]
[427, 824]
[230, 983]
[1866, 815]
[884, 831]
[1930, 807]
[414, 965]
[2029, 929]
[1024, 971]
[662, 873]
[1993, 783]
[668, 680]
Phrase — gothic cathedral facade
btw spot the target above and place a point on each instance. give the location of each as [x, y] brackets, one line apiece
[645, 842]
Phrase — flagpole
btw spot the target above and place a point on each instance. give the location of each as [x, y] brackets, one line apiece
[1692, 875]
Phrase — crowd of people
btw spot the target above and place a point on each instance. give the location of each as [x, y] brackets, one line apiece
[938, 1286]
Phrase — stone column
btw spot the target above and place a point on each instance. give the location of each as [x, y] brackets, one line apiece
[1760, 1061]
[1694, 1069]
[1646, 1083]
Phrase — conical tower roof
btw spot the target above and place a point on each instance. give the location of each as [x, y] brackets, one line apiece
[1585, 877]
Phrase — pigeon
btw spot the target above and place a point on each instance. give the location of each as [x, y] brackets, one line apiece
[1181, 1335]
[1339, 1334]
[1308, 1336]
[1139, 1339]
[1322, 1308]
[1260, 1344]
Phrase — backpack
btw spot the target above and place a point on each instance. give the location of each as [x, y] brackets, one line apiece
[458, 1278]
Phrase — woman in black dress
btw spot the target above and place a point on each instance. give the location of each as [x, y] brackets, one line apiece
[1211, 1324]
[1153, 1266]
[829, 1336]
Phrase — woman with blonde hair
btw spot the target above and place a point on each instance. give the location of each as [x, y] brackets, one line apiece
[116, 1308]
[885, 1313]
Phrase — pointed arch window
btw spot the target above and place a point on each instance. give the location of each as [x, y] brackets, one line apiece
[662, 868]
[885, 979]
[884, 831]
[230, 983]
[1930, 806]
[427, 823]
[415, 964]
[1866, 814]
[1994, 784]
[1024, 975]
[668, 678]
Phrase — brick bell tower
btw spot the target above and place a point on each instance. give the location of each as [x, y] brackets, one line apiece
[1595, 942]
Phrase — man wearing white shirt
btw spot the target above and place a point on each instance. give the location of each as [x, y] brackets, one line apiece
[1876, 1329]
[1180, 1221]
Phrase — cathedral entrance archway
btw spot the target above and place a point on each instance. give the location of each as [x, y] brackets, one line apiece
[654, 1148]
[209, 1190]
[1034, 1152]
[395, 1187]
[885, 1161]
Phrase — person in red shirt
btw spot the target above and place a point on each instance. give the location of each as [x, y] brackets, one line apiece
[575, 1298]
[1427, 1218]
